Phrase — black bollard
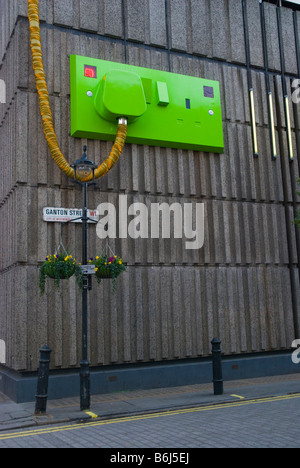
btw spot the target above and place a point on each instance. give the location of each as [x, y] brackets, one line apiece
[43, 378]
[217, 367]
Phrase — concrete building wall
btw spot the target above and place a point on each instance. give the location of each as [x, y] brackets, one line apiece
[243, 285]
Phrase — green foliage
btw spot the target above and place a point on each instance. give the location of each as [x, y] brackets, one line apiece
[59, 267]
[108, 267]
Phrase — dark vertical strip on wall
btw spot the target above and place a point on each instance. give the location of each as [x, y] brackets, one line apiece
[283, 79]
[281, 52]
[265, 52]
[168, 34]
[125, 30]
[247, 47]
[267, 76]
[250, 85]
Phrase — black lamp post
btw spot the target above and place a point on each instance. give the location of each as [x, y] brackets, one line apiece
[83, 169]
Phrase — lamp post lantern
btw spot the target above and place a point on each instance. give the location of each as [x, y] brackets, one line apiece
[83, 170]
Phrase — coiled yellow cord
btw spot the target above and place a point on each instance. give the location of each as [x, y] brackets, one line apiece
[44, 103]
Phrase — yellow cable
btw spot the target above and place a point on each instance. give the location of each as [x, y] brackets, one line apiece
[47, 119]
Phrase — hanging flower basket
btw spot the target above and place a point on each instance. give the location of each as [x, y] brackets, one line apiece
[59, 267]
[108, 268]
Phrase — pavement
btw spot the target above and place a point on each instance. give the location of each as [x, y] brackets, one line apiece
[124, 404]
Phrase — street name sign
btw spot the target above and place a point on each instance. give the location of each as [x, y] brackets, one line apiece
[64, 215]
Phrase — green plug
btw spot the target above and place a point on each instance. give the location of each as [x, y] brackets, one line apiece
[120, 94]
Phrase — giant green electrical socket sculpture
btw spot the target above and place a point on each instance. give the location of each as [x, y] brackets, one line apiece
[163, 109]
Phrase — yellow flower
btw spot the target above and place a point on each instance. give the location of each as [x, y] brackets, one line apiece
[97, 258]
[109, 263]
[120, 262]
[96, 269]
